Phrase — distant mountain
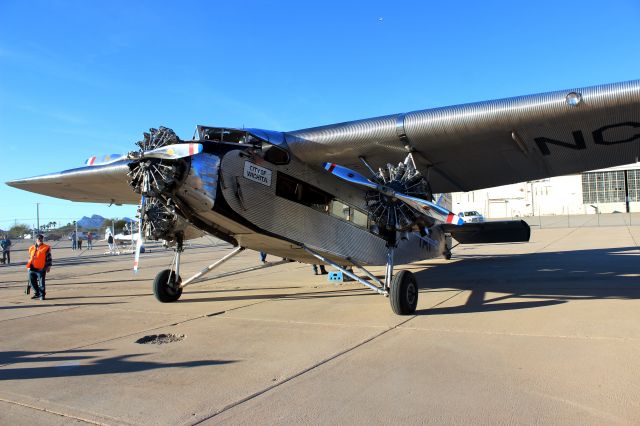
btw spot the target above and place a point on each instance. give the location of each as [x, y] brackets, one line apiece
[94, 221]
[97, 221]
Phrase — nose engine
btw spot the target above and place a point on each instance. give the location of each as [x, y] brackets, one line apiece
[169, 187]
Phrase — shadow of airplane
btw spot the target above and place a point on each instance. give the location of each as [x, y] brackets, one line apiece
[51, 302]
[75, 363]
[546, 278]
[554, 277]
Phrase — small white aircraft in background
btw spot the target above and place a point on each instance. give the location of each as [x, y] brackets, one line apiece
[355, 193]
[123, 243]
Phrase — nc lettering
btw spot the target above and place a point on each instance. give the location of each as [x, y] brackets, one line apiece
[601, 136]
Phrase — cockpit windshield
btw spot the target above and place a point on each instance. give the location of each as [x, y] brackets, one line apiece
[270, 144]
[219, 134]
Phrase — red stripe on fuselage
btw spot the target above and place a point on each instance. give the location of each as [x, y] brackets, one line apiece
[331, 167]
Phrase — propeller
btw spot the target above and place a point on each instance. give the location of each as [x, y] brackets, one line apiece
[156, 170]
[167, 152]
[424, 205]
[350, 176]
[397, 176]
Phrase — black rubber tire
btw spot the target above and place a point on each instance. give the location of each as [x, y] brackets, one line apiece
[164, 291]
[447, 255]
[404, 293]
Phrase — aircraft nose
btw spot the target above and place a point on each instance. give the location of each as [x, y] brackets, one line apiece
[200, 186]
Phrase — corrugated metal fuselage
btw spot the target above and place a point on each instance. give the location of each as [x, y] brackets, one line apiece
[234, 194]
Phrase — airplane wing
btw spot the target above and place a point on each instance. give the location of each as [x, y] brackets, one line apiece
[96, 184]
[458, 148]
[485, 144]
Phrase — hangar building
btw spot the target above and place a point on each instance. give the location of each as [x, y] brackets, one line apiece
[615, 189]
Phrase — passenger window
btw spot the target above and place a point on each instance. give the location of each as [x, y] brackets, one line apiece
[340, 209]
[301, 192]
[359, 218]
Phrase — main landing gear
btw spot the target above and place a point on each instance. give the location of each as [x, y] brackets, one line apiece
[168, 286]
[402, 289]
[404, 293]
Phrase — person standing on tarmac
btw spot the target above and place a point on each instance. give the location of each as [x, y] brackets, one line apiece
[322, 270]
[110, 243]
[6, 250]
[38, 265]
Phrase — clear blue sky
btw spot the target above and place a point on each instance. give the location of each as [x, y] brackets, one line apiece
[79, 78]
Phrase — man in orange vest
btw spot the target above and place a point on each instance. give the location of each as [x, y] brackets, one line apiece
[38, 265]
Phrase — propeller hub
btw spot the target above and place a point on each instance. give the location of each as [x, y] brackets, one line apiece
[386, 210]
[156, 174]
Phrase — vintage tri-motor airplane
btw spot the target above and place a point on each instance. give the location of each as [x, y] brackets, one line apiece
[357, 193]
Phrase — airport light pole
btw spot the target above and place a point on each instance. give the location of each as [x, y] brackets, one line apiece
[533, 207]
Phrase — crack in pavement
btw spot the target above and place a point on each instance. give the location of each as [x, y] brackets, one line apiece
[311, 368]
[64, 415]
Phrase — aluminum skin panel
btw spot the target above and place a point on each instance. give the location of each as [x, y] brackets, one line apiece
[200, 187]
[298, 223]
[472, 146]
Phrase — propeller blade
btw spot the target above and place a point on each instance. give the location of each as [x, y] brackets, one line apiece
[349, 175]
[416, 203]
[104, 159]
[423, 205]
[174, 152]
[413, 202]
[136, 259]
[169, 152]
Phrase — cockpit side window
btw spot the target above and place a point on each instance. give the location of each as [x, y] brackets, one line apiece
[275, 155]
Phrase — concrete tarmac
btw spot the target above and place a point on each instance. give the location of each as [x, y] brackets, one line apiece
[540, 332]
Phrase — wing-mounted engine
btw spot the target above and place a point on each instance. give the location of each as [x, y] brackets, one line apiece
[389, 213]
[399, 199]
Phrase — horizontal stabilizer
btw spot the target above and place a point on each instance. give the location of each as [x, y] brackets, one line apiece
[508, 231]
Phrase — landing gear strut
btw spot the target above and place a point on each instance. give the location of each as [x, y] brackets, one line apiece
[401, 289]
[167, 284]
